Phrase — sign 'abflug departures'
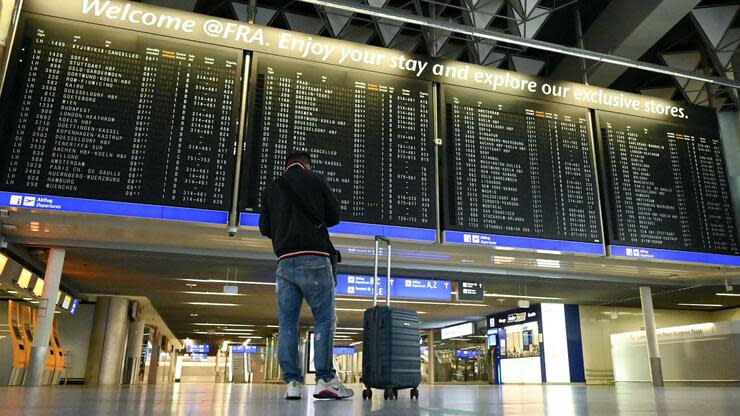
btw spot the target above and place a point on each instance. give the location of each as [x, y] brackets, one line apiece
[369, 134]
[520, 174]
[118, 123]
[401, 287]
[667, 192]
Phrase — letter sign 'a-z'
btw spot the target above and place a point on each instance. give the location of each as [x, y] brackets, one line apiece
[470, 291]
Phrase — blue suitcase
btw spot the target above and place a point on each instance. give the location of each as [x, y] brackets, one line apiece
[391, 355]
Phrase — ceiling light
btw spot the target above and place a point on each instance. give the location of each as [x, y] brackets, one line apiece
[517, 40]
[355, 343]
[499, 295]
[235, 282]
[249, 337]
[414, 302]
[236, 329]
[206, 293]
[272, 326]
[553, 264]
[26, 298]
[12, 292]
[502, 259]
[707, 305]
[220, 333]
[217, 324]
[193, 315]
[211, 304]
[349, 310]
[727, 294]
[344, 328]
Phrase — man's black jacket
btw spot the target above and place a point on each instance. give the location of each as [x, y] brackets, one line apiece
[293, 232]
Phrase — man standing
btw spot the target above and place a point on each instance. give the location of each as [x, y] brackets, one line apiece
[297, 209]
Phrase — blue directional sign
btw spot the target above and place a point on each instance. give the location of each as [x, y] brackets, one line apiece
[673, 255]
[126, 209]
[362, 229]
[197, 356]
[409, 288]
[343, 351]
[244, 349]
[198, 348]
[525, 243]
[466, 353]
[73, 308]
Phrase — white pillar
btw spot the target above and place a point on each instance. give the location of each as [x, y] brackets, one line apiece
[107, 341]
[133, 352]
[432, 356]
[656, 371]
[45, 317]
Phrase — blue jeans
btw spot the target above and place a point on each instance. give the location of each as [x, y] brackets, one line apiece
[308, 277]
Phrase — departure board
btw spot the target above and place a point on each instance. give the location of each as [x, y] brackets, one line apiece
[368, 133]
[519, 167]
[667, 186]
[107, 114]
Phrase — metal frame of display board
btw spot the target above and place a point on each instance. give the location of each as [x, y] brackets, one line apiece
[344, 228]
[70, 204]
[473, 237]
[640, 252]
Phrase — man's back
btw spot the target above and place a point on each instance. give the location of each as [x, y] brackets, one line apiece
[296, 209]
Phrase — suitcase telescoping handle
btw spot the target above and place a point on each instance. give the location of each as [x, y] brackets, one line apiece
[378, 239]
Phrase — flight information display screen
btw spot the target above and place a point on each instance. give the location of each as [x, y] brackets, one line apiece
[667, 188]
[369, 134]
[119, 116]
[519, 168]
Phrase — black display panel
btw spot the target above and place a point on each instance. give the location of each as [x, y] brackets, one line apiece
[115, 115]
[666, 185]
[368, 133]
[519, 167]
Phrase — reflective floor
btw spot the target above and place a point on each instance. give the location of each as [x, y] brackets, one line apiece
[258, 399]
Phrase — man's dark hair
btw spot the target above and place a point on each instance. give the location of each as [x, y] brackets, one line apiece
[299, 156]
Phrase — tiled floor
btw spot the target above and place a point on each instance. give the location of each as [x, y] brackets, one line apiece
[258, 399]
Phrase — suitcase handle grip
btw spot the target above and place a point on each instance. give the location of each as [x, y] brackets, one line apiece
[378, 239]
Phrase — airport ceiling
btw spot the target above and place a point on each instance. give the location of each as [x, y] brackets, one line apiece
[702, 36]
[133, 257]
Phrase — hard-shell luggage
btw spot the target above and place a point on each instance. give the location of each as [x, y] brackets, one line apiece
[391, 354]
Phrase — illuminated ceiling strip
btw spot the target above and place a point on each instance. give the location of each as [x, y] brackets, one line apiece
[516, 40]
[213, 293]
[211, 304]
[727, 294]
[708, 305]
[500, 295]
[215, 324]
[235, 282]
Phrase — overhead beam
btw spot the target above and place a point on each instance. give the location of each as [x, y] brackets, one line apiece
[626, 29]
[401, 16]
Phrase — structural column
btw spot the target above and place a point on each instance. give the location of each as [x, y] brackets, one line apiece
[107, 341]
[432, 357]
[656, 372]
[133, 351]
[45, 317]
[155, 338]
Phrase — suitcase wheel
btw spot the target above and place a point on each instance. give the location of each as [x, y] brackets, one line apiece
[415, 393]
[367, 394]
[391, 393]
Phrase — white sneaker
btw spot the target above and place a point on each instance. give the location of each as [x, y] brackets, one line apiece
[332, 389]
[295, 391]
